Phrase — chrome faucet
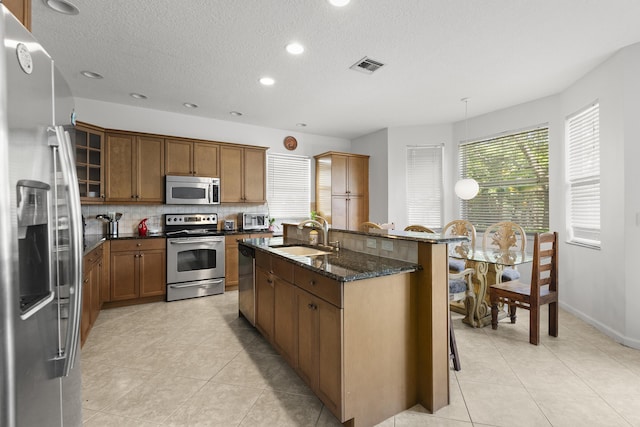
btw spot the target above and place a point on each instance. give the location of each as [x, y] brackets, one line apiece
[325, 228]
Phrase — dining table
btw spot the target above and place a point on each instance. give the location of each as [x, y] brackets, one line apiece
[488, 265]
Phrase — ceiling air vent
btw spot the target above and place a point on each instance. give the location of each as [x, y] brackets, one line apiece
[367, 65]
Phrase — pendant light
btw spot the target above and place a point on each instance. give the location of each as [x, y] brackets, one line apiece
[467, 188]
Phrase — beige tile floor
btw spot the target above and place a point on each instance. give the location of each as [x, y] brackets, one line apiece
[196, 363]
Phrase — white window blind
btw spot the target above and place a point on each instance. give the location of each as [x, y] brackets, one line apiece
[288, 187]
[424, 185]
[513, 173]
[583, 175]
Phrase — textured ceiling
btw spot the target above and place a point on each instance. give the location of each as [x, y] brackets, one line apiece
[497, 53]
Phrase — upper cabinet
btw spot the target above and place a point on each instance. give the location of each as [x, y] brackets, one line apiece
[134, 169]
[192, 158]
[90, 163]
[21, 9]
[342, 189]
[243, 174]
[116, 166]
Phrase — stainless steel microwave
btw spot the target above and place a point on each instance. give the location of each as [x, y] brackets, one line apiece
[192, 190]
[253, 221]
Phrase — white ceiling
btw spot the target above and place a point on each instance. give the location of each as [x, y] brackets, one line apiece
[498, 53]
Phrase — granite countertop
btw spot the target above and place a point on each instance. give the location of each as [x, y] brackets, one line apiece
[92, 241]
[343, 265]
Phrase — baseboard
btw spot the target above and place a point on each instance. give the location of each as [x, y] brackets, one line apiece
[617, 336]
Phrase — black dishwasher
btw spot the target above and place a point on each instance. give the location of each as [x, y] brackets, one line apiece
[246, 283]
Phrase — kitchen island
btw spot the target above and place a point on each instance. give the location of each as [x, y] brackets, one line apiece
[367, 333]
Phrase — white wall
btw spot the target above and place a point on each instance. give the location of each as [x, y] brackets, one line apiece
[631, 71]
[375, 145]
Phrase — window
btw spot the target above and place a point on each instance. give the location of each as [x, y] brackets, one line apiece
[513, 173]
[424, 185]
[583, 176]
[288, 187]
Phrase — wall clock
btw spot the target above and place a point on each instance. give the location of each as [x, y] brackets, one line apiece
[290, 143]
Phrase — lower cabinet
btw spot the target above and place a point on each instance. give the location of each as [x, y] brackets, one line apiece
[320, 348]
[303, 327]
[93, 274]
[138, 269]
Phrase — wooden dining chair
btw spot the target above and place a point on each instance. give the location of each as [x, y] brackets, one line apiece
[365, 226]
[459, 290]
[505, 236]
[420, 228]
[542, 290]
[460, 227]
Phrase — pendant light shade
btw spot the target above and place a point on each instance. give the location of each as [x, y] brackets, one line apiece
[467, 188]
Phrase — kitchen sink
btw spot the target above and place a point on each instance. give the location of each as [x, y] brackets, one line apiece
[302, 251]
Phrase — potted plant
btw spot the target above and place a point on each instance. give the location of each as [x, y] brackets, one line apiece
[271, 221]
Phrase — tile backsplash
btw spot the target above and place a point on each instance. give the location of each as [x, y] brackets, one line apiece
[133, 214]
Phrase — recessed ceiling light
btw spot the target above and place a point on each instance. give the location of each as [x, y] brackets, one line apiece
[91, 74]
[138, 95]
[295, 48]
[62, 6]
[235, 113]
[301, 125]
[339, 3]
[190, 105]
[267, 81]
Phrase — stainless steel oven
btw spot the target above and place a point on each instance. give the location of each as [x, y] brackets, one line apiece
[195, 256]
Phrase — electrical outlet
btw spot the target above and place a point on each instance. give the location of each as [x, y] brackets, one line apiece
[371, 243]
[387, 245]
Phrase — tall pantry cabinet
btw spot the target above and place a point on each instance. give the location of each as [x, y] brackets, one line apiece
[342, 189]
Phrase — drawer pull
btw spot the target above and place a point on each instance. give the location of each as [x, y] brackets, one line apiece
[312, 282]
[312, 306]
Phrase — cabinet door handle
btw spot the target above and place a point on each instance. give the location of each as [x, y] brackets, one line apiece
[269, 281]
[133, 197]
[312, 306]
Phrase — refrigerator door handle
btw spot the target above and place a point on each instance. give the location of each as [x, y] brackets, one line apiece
[69, 353]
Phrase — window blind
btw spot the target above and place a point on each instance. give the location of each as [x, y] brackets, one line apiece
[583, 175]
[512, 171]
[288, 187]
[424, 185]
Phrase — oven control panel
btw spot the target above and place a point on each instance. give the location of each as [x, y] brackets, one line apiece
[191, 219]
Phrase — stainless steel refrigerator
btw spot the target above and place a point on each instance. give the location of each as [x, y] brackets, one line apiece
[40, 239]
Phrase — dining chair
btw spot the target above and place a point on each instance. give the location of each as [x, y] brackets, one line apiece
[416, 227]
[542, 290]
[365, 226]
[502, 237]
[459, 291]
[460, 227]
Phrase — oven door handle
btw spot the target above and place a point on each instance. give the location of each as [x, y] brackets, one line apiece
[197, 285]
[191, 240]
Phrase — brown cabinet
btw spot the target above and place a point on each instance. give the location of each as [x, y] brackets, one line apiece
[319, 339]
[138, 268]
[93, 275]
[242, 174]
[342, 189]
[90, 163]
[275, 304]
[134, 168]
[21, 9]
[231, 257]
[195, 158]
